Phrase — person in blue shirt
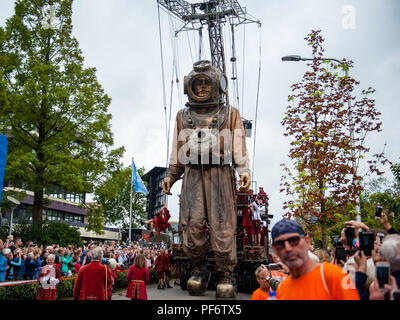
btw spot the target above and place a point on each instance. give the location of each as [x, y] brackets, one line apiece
[30, 266]
[15, 265]
[4, 263]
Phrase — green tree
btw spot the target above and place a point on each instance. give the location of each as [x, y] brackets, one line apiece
[113, 197]
[323, 180]
[53, 108]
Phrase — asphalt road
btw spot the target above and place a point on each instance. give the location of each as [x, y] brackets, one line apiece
[175, 293]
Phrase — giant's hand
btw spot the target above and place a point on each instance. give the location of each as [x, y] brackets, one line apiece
[244, 182]
[166, 186]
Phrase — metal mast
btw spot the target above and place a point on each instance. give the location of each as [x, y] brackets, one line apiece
[212, 13]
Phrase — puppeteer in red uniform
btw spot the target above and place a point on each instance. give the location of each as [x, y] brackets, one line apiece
[263, 196]
[92, 281]
[138, 278]
[161, 220]
[247, 223]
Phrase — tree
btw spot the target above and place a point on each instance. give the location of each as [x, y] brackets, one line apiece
[325, 179]
[54, 109]
[113, 197]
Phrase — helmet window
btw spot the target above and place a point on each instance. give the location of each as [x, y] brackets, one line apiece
[201, 87]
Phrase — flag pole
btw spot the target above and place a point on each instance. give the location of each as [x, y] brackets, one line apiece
[130, 210]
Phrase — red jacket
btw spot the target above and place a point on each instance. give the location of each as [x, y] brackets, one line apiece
[159, 220]
[161, 263]
[137, 277]
[91, 280]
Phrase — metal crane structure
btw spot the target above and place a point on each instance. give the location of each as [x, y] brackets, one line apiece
[213, 14]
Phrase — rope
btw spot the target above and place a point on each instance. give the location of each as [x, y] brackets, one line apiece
[200, 43]
[190, 47]
[255, 119]
[163, 77]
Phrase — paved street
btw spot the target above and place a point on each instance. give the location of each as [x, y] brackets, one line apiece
[176, 293]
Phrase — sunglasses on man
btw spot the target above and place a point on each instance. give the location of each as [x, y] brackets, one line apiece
[293, 241]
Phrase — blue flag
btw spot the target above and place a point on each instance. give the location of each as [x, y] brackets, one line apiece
[3, 158]
[137, 180]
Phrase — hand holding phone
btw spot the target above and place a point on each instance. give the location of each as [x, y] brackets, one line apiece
[378, 212]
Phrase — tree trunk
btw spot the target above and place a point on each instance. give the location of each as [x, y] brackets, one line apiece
[37, 210]
[324, 237]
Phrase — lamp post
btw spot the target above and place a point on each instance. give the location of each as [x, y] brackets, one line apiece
[346, 72]
[16, 204]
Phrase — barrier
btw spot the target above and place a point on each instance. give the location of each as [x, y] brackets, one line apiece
[22, 282]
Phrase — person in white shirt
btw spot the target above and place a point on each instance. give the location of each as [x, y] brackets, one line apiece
[256, 223]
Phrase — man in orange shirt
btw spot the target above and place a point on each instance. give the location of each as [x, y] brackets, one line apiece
[262, 275]
[308, 280]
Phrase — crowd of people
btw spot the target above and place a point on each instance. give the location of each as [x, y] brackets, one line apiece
[354, 269]
[48, 264]
[364, 264]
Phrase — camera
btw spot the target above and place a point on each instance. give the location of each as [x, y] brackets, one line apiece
[378, 212]
[337, 242]
[367, 240]
[274, 266]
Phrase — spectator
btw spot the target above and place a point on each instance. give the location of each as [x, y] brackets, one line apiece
[43, 257]
[391, 251]
[77, 264]
[138, 277]
[15, 263]
[37, 252]
[94, 280]
[66, 259]
[385, 222]
[323, 255]
[308, 279]
[48, 279]
[31, 265]
[122, 260]
[4, 263]
[17, 244]
[263, 277]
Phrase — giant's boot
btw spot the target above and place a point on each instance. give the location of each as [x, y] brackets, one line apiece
[226, 288]
[198, 282]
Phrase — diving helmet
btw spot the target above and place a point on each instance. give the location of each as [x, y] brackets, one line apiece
[205, 85]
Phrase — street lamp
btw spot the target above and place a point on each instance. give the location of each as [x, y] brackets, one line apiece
[346, 72]
[16, 204]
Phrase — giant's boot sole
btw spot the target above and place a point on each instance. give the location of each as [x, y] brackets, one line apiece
[197, 283]
[196, 286]
[225, 291]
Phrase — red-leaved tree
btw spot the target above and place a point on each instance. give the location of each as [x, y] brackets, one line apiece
[328, 125]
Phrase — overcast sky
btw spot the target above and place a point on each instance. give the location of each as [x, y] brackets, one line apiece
[120, 39]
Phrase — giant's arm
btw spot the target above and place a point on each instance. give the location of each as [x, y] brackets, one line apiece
[176, 168]
[239, 150]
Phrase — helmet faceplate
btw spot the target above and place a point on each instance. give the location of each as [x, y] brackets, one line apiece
[218, 81]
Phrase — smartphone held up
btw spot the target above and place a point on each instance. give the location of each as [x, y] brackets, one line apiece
[378, 212]
[382, 273]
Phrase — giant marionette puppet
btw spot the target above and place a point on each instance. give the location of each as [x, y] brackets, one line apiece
[209, 148]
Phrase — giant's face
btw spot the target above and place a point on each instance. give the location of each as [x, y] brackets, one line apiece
[201, 87]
